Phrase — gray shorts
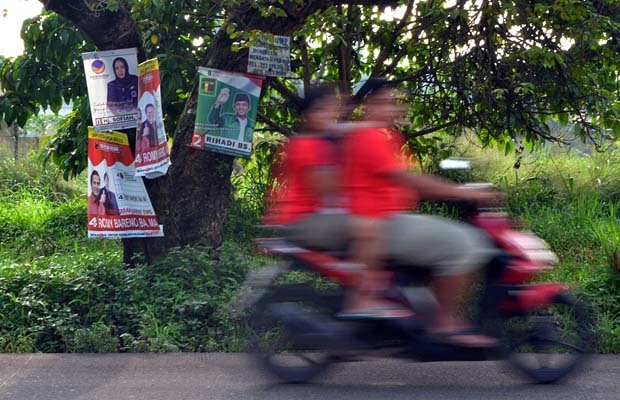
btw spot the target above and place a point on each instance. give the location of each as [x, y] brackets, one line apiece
[446, 246]
[321, 231]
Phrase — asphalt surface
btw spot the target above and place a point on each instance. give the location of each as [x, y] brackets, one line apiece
[183, 376]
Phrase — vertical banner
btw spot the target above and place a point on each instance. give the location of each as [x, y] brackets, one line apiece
[112, 82]
[226, 111]
[152, 156]
[118, 203]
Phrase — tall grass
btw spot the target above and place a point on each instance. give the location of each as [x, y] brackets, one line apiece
[40, 213]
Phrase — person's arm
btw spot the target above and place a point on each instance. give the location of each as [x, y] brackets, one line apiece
[215, 116]
[111, 93]
[434, 188]
[112, 200]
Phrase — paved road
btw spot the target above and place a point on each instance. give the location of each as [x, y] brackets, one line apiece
[230, 376]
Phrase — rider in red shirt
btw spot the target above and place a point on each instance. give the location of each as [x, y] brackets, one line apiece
[371, 155]
[381, 192]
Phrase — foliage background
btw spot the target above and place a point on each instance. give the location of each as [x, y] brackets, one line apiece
[60, 292]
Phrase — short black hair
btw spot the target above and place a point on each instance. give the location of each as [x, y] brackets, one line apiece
[315, 93]
[93, 174]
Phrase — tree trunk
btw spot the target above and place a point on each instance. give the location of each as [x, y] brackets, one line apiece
[192, 199]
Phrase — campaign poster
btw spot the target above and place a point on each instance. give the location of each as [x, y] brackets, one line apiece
[152, 154]
[118, 203]
[112, 82]
[270, 56]
[226, 111]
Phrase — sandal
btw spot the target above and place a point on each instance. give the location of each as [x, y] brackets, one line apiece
[460, 337]
[383, 311]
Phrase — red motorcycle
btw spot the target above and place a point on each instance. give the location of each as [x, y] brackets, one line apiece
[545, 331]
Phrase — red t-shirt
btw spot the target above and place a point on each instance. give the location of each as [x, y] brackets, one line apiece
[294, 197]
[371, 154]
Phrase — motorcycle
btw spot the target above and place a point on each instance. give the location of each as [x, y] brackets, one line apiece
[544, 330]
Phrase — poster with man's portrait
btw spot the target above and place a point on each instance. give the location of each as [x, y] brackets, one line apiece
[118, 203]
[152, 155]
[112, 82]
[226, 112]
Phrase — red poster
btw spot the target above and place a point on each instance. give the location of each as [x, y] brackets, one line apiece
[118, 203]
[152, 155]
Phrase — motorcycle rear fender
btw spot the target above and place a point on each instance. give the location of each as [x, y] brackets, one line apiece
[533, 297]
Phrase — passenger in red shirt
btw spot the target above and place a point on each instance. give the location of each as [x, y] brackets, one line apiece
[308, 202]
[307, 174]
[381, 192]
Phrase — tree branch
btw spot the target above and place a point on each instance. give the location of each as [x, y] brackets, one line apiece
[273, 126]
[108, 30]
[431, 129]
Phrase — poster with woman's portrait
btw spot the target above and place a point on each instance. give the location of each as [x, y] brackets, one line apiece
[112, 82]
[226, 112]
[152, 155]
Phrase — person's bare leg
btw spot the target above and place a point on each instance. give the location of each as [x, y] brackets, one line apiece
[366, 250]
[448, 290]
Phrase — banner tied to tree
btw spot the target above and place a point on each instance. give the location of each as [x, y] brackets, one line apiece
[226, 111]
[270, 56]
[118, 203]
[152, 156]
[112, 82]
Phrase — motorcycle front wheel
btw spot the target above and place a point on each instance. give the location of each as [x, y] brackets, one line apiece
[292, 335]
[551, 343]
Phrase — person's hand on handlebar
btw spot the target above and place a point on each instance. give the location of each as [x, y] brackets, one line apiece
[484, 197]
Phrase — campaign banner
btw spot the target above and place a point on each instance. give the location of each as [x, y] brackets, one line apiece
[152, 155]
[270, 56]
[112, 83]
[118, 203]
[226, 111]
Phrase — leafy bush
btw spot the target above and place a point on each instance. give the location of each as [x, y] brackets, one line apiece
[89, 303]
[97, 338]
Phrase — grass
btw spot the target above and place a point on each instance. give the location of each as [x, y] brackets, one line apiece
[61, 292]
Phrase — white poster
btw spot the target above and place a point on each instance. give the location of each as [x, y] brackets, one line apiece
[152, 155]
[112, 82]
[118, 203]
[271, 56]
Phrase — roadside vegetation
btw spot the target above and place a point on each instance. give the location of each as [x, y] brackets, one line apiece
[61, 292]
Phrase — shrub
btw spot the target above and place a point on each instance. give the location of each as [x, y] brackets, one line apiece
[97, 338]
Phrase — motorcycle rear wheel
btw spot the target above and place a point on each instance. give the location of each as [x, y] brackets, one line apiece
[552, 343]
[284, 332]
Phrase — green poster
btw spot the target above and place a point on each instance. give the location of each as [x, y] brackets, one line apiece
[226, 112]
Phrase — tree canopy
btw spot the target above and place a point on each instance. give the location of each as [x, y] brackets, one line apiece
[501, 69]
